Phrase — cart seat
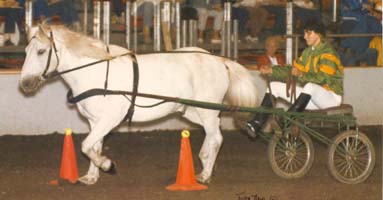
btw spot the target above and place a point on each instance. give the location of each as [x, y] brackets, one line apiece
[343, 109]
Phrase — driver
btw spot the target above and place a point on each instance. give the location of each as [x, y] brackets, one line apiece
[319, 72]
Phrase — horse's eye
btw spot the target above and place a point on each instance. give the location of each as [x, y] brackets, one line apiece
[41, 51]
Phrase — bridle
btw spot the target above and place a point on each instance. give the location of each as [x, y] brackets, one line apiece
[45, 74]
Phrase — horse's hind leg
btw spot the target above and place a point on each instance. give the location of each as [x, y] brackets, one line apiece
[210, 148]
[210, 121]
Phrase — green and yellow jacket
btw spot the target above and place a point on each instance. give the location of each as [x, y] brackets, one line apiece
[320, 65]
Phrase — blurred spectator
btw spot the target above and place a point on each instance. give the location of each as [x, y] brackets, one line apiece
[145, 8]
[12, 12]
[118, 7]
[205, 9]
[304, 10]
[353, 11]
[63, 8]
[376, 42]
[241, 14]
[257, 18]
[355, 50]
[271, 57]
[187, 10]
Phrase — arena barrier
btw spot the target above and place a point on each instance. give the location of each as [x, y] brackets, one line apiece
[47, 111]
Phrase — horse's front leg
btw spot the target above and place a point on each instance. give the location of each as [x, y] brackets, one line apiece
[92, 147]
[93, 173]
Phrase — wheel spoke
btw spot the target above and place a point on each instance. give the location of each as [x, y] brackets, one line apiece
[343, 168]
[283, 159]
[288, 164]
[359, 167]
[362, 154]
[299, 162]
[361, 147]
[283, 164]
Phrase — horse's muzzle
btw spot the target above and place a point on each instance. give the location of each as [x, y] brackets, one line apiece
[31, 84]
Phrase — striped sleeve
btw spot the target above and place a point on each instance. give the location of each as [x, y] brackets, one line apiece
[329, 63]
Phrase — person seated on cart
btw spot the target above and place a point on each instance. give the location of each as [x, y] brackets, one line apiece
[318, 70]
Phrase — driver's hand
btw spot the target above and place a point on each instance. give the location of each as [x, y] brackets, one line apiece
[266, 70]
[296, 72]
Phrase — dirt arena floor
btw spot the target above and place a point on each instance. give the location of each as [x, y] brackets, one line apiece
[147, 163]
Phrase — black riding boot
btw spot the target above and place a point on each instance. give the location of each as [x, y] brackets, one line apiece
[258, 120]
[301, 103]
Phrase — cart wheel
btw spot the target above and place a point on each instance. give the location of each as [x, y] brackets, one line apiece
[351, 157]
[291, 157]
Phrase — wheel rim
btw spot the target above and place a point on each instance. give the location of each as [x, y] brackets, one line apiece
[291, 155]
[352, 158]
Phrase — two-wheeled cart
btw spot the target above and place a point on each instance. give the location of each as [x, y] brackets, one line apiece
[351, 155]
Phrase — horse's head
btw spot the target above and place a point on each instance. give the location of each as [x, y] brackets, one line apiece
[56, 48]
[41, 58]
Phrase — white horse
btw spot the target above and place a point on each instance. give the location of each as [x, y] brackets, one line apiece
[195, 75]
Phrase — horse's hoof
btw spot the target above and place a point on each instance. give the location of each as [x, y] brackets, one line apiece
[86, 180]
[201, 179]
[112, 169]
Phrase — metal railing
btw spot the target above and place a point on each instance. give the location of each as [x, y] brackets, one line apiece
[185, 32]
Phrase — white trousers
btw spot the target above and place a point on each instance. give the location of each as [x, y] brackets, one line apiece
[204, 13]
[320, 97]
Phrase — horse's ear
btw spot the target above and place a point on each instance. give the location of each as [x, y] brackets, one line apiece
[43, 31]
[43, 34]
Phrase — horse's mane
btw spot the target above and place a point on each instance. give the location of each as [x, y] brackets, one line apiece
[79, 44]
[82, 45]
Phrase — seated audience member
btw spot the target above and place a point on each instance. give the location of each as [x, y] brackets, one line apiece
[145, 8]
[355, 50]
[118, 7]
[271, 57]
[303, 11]
[12, 13]
[187, 10]
[40, 10]
[65, 9]
[67, 12]
[376, 42]
[257, 17]
[351, 12]
[241, 14]
[205, 9]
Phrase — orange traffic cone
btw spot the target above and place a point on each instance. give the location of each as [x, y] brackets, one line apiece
[68, 169]
[185, 176]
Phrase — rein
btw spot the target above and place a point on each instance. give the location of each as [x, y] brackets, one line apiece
[56, 73]
[94, 92]
[291, 84]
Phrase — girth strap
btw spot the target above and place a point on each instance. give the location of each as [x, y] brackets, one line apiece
[95, 92]
[130, 113]
[107, 71]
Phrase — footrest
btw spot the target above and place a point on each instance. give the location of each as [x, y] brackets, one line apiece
[337, 110]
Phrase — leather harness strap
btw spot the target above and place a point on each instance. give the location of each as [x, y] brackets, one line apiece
[105, 91]
[107, 71]
[291, 83]
[136, 73]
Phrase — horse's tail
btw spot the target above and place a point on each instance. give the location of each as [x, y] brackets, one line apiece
[242, 90]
